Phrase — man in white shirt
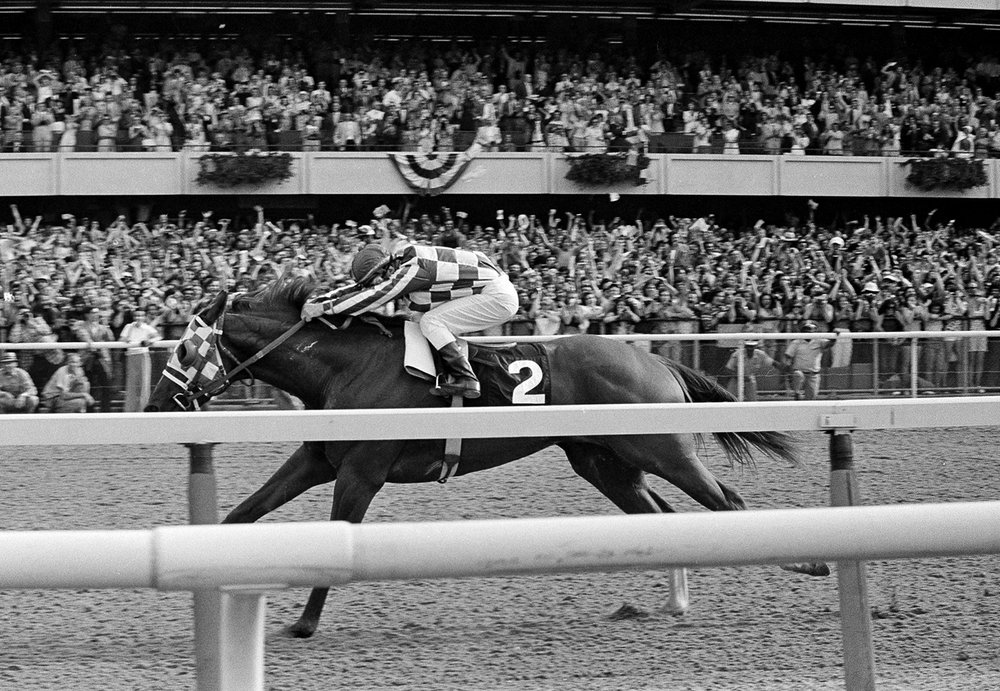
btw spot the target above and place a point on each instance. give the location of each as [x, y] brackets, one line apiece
[138, 334]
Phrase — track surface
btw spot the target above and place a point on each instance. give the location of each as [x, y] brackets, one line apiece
[936, 622]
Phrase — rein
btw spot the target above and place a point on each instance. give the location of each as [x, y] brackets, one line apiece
[227, 380]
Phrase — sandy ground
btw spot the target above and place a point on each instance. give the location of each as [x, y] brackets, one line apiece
[936, 622]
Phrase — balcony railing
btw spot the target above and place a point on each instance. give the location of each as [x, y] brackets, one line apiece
[371, 172]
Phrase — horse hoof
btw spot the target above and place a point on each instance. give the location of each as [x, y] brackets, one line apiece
[815, 568]
[300, 629]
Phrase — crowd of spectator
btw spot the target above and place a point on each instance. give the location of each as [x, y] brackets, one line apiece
[124, 94]
[648, 274]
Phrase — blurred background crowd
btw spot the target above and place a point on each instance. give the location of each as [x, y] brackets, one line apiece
[129, 94]
[576, 272]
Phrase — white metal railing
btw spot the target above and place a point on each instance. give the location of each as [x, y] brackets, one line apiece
[910, 381]
[236, 650]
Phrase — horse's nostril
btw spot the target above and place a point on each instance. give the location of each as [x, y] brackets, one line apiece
[151, 409]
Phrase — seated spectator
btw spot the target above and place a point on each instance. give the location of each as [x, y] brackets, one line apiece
[18, 393]
[68, 391]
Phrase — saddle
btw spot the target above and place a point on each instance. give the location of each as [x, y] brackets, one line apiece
[509, 374]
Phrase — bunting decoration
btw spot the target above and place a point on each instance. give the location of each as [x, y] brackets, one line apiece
[432, 173]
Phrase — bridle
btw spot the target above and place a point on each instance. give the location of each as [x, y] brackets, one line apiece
[208, 347]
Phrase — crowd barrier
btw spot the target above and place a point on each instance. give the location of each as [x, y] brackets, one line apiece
[242, 568]
[876, 364]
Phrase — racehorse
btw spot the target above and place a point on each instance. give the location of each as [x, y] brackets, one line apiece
[358, 366]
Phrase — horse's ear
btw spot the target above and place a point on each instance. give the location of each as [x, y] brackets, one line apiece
[211, 313]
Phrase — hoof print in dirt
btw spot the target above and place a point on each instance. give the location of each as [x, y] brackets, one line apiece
[627, 611]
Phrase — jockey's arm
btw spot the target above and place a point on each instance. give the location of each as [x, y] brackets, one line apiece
[403, 281]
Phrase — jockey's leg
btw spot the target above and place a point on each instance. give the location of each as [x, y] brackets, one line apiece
[440, 326]
[459, 379]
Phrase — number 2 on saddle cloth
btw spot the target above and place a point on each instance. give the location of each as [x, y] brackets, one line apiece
[515, 375]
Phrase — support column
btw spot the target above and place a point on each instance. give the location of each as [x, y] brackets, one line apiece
[855, 614]
[203, 510]
[242, 640]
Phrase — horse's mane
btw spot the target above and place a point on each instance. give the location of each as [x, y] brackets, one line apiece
[291, 293]
[282, 293]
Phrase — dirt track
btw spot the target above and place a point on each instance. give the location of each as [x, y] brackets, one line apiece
[936, 622]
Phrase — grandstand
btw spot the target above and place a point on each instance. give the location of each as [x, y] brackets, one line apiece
[148, 88]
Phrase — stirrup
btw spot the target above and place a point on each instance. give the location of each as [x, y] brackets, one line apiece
[446, 386]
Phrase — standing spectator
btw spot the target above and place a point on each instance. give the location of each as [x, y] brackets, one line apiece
[934, 352]
[97, 363]
[41, 122]
[804, 358]
[978, 310]
[867, 319]
[139, 334]
[18, 393]
[68, 390]
[546, 316]
[755, 362]
[107, 132]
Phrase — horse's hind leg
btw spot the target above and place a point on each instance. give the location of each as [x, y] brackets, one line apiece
[673, 458]
[626, 487]
[304, 469]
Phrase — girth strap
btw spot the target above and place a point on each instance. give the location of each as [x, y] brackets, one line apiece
[452, 450]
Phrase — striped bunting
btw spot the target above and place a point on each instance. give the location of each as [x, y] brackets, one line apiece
[432, 173]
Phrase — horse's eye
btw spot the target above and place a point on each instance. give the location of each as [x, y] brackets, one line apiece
[187, 354]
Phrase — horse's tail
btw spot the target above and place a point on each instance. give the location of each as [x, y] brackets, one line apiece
[738, 446]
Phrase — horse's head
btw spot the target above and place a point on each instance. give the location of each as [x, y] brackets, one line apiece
[194, 372]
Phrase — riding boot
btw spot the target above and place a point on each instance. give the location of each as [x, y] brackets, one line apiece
[458, 379]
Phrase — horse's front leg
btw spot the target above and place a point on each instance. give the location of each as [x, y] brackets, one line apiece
[304, 469]
[362, 473]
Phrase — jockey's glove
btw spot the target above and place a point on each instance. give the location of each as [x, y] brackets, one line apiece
[311, 310]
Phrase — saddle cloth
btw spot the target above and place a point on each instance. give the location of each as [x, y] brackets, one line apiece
[509, 375]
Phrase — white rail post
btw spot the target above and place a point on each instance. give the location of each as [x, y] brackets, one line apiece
[741, 370]
[855, 615]
[242, 640]
[679, 600]
[203, 510]
[138, 371]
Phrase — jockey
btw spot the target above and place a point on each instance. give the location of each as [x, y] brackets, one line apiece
[452, 291]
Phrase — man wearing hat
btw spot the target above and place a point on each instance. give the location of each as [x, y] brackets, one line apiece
[804, 358]
[755, 361]
[17, 392]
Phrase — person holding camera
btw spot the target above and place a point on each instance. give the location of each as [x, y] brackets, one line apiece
[867, 319]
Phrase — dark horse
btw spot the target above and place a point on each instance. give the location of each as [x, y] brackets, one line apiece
[359, 367]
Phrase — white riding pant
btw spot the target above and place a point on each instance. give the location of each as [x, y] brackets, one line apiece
[495, 305]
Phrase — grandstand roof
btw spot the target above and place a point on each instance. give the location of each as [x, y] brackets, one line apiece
[972, 11]
[524, 18]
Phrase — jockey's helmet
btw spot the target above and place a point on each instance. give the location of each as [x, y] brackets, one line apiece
[369, 260]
